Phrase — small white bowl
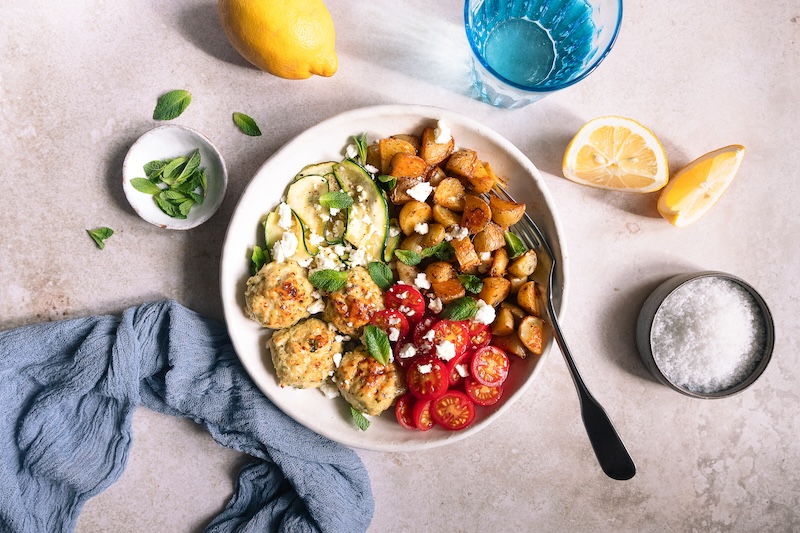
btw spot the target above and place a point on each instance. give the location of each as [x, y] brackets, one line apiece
[166, 142]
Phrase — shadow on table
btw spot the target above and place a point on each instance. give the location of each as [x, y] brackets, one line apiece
[200, 25]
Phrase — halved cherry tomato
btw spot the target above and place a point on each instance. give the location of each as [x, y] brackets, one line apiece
[427, 378]
[406, 299]
[388, 319]
[404, 411]
[490, 366]
[455, 332]
[479, 334]
[423, 327]
[403, 356]
[459, 362]
[480, 393]
[422, 415]
[453, 410]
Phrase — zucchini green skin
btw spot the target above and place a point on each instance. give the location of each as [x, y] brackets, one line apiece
[368, 217]
[303, 197]
[273, 233]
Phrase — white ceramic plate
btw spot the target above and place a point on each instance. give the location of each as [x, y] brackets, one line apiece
[326, 141]
[166, 142]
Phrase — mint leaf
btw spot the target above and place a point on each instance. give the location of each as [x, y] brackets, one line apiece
[377, 343]
[257, 259]
[472, 283]
[359, 418]
[328, 280]
[361, 145]
[381, 274]
[246, 124]
[189, 169]
[153, 169]
[408, 257]
[460, 309]
[514, 245]
[99, 235]
[167, 207]
[172, 170]
[336, 200]
[171, 105]
[145, 185]
[444, 251]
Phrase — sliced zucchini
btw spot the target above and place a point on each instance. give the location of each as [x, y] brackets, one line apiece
[392, 242]
[368, 217]
[303, 197]
[273, 233]
[316, 169]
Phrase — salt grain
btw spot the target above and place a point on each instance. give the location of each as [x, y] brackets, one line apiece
[708, 335]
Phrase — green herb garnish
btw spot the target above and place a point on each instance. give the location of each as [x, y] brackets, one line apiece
[472, 283]
[514, 245]
[176, 184]
[328, 280]
[99, 235]
[377, 343]
[335, 200]
[361, 146]
[460, 309]
[387, 182]
[443, 251]
[171, 104]
[359, 418]
[257, 259]
[246, 124]
[408, 257]
[381, 274]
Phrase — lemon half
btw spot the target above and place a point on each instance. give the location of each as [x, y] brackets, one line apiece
[616, 153]
[696, 187]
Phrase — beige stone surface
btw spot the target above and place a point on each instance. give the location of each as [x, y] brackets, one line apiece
[78, 83]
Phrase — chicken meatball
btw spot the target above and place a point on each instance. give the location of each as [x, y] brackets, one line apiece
[351, 307]
[303, 354]
[279, 295]
[368, 385]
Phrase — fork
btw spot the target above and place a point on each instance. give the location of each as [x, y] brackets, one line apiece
[611, 453]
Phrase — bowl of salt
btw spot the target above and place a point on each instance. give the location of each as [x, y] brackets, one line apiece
[706, 334]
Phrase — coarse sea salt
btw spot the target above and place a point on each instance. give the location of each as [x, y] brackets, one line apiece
[708, 335]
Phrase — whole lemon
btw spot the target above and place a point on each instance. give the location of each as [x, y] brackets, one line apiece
[291, 39]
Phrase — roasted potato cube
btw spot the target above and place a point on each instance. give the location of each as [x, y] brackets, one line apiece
[465, 254]
[436, 175]
[374, 155]
[511, 344]
[413, 140]
[505, 213]
[490, 239]
[440, 271]
[432, 152]
[516, 283]
[405, 273]
[462, 163]
[448, 290]
[523, 265]
[434, 236]
[503, 322]
[528, 298]
[497, 180]
[476, 215]
[414, 213]
[413, 242]
[405, 165]
[480, 181]
[495, 290]
[388, 147]
[450, 194]
[445, 217]
[517, 312]
[531, 333]
[499, 262]
[399, 194]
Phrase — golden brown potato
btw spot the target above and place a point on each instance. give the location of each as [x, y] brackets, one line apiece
[523, 265]
[405, 165]
[499, 262]
[516, 283]
[445, 217]
[503, 322]
[511, 345]
[480, 181]
[432, 152]
[414, 213]
[517, 312]
[388, 147]
[450, 194]
[412, 242]
[448, 290]
[497, 180]
[462, 163]
[476, 215]
[434, 236]
[436, 175]
[413, 140]
[399, 194]
[531, 333]
[465, 254]
[405, 273]
[505, 213]
[528, 298]
[489, 239]
[495, 290]
[374, 155]
[440, 271]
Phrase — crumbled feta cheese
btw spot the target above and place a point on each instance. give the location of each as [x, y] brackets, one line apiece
[305, 262]
[394, 231]
[485, 256]
[329, 389]
[358, 257]
[317, 307]
[285, 217]
[429, 335]
[441, 133]
[285, 248]
[351, 152]
[315, 239]
[394, 334]
[404, 309]
[425, 369]
[485, 313]
[445, 350]
[334, 211]
[456, 232]
[421, 281]
[371, 169]
[462, 370]
[394, 321]
[435, 305]
[420, 191]
[325, 260]
[409, 350]
[421, 228]
[337, 359]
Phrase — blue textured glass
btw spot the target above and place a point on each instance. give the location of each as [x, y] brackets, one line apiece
[526, 49]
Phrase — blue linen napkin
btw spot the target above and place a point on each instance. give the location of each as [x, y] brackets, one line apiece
[68, 390]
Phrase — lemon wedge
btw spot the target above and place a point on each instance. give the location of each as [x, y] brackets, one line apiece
[698, 185]
[616, 153]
